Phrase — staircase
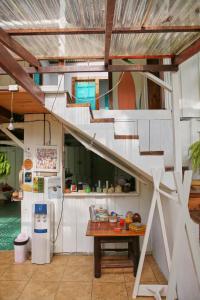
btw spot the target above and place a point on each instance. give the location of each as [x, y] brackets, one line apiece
[99, 135]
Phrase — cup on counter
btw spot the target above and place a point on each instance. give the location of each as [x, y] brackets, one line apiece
[121, 222]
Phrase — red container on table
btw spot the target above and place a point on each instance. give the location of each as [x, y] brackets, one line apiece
[121, 222]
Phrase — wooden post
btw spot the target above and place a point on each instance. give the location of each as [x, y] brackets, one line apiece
[176, 127]
[97, 257]
[110, 85]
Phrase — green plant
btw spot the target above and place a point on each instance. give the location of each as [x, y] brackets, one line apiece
[194, 154]
[5, 166]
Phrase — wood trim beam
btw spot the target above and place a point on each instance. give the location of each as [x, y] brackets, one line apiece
[110, 86]
[187, 53]
[85, 69]
[75, 31]
[109, 24]
[12, 137]
[142, 68]
[95, 58]
[9, 64]
[14, 46]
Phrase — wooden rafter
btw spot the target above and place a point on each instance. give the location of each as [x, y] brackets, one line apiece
[99, 68]
[98, 57]
[187, 53]
[73, 31]
[109, 24]
[10, 65]
[14, 46]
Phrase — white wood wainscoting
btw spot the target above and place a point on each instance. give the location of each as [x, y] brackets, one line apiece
[76, 215]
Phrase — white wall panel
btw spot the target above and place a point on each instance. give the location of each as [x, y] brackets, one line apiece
[76, 215]
[190, 86]
[84, 243]
[33, 137]
[143, 132]
[155, 135]
[166, 141]
[69, 225]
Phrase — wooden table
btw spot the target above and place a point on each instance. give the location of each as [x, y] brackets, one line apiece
[103, 232]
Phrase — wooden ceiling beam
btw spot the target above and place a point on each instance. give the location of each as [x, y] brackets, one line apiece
[98, 68]
[95, 58]
[109, 25]
[14, 46]
[142, 68]
[76, 31]
[10, 65]
[187, 53]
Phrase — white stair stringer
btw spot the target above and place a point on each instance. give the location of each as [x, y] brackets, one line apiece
[99, 138]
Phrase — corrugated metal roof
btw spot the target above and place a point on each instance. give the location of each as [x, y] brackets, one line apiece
[131, 13]
[151, 43]
[60, 45]
[92, 14]
[52, 13]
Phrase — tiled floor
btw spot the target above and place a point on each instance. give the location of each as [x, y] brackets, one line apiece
[69, 278]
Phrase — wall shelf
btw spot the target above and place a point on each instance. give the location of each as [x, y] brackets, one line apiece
[78, 195]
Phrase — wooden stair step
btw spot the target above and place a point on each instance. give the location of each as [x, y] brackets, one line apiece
[194, 203]
[151, 152]
[171, 168]
[78, 105]
[102, 120]
[73, 105]
[195, 216]
[196, 183]
[126, 137]
[194, 195]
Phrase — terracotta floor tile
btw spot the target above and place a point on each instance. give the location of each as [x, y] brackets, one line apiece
[6, 257]
[60, 260]
[129, 287]
[128, 275]
[3, 268]
[36, 290]
[108, 291]
[111, 275]
[82, 273]
[71, 278]
[11, 290]
[18, 272]
[74, 291]
[155, 268]
[148, 275]
[48, 273]
[80, 260]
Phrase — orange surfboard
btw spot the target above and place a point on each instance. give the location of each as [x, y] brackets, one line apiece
[126, 92]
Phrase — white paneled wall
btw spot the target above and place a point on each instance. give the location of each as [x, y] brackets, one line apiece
[33, 137]
[190, 87]
[76, 215]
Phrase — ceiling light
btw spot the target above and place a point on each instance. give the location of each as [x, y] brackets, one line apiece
[11, 124]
